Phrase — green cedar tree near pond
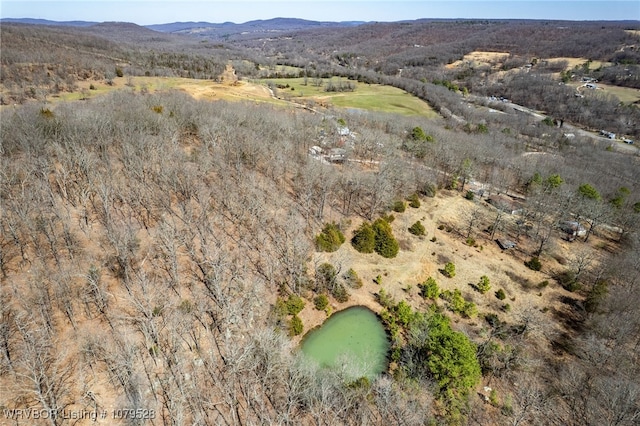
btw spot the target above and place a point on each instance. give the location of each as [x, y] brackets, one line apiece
[353, 339]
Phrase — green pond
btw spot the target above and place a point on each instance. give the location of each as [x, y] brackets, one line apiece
[353, 340]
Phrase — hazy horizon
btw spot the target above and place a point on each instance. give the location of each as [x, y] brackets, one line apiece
[147, 12]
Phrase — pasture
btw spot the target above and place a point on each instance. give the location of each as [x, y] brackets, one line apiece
[370, 97]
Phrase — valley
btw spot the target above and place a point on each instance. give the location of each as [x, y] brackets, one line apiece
[181, 205]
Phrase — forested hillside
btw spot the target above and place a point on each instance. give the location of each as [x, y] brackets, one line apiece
[162, 256]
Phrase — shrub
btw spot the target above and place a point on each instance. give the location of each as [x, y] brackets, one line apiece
[340, 293]
[417, 134]
[385, 299]
[470, 242]
[506, 307]
[280, 309]
[469, 195]
[417, 229]
[533, 264]
[364, 238]
[493, 398]
[399, 206]
[157, 109]
[449, 270]
[567, 280]
[294, 304]
[596, 295]
[500, 294]
[361, 383]
[92, 87]
[295, 326]
[403, 313]
[352, 279]
[388, 218]
[414, 201]
[430, 289]
[385, 243]
[46, 112]
[330, 239]
[321, 302]
[470, 310]
[326, 275]
[428, 190]
[484, 285]
[378, 279]
[458, 305]
[492, 319]
[119, 72]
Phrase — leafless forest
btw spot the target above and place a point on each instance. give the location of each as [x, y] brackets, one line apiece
[146, 238]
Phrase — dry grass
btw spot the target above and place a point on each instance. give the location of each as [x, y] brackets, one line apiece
[505, 269]
[578, 62]
[478, 58]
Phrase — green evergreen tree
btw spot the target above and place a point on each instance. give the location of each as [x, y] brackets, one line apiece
[449, 270]
[399, 206]
[417, 229]
[385, 243]
[330, 239]
[484, 285]
[434, 350]
[321, 301]
[414, 201]
[364, 238]
[295, 326]
[589, 192]
[294, 304]
[430, 289]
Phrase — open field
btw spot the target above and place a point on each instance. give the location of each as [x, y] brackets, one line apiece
[199, 89]
[478, 58]
[578, 62]
[371, 97]
[628, 95]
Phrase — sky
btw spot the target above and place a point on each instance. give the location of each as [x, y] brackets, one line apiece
[147, 12]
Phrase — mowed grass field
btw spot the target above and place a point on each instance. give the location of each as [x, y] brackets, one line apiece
[370, 97]
[627, 95]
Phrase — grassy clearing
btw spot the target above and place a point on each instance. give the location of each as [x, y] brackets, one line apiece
[199, 89]
[479, 58]
[287, 69]
[578, 62]
[626, 95]
[370, 97]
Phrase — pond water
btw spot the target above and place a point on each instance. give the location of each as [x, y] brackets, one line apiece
[353, 339]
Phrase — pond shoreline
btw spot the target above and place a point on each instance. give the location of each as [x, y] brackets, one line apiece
[313, 318]
[357, 333]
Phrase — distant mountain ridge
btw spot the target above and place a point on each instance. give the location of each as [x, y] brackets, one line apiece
[209, 29]
[34, 21]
